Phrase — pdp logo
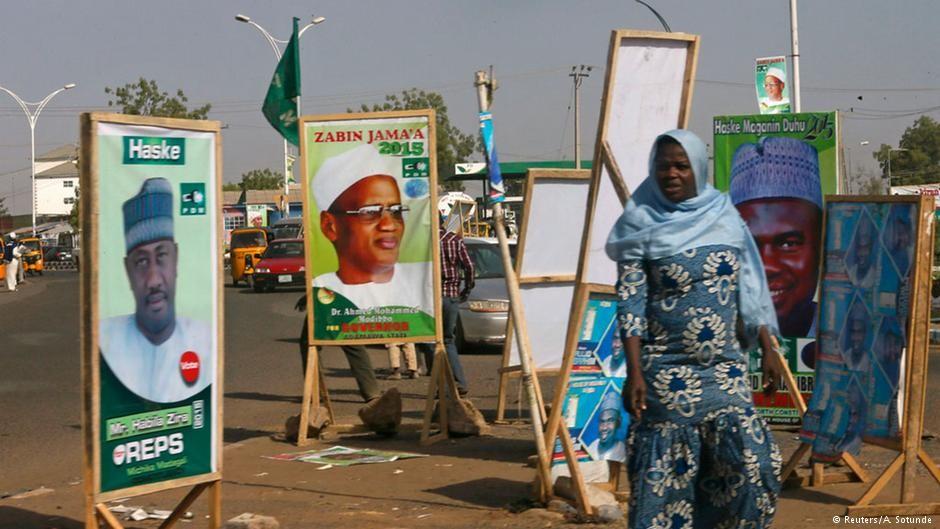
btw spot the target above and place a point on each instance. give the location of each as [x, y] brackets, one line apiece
[147, 449]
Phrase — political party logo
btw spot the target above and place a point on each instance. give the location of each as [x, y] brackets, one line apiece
[143, 150]
[193, 198]
[415, 168]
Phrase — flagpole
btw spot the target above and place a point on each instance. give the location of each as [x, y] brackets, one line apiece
[484, 87]
[277, 54]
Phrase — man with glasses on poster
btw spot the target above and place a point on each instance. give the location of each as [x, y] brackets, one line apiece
[775, 102]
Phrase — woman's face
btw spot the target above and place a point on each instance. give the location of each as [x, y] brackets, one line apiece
[674, 172]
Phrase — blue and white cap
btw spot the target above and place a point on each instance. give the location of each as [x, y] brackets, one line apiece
[611, 401]
[776, 168]
[148, 215]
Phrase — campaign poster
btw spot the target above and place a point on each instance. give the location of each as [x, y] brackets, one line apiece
[776, 169]
[770, 78]
[370, 226]
[157, 269]
[597, 422]
[257, 216]
[865, 305]
[599, 349]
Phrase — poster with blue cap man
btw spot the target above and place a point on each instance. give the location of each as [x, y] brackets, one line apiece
[776, 169]
[151, 229]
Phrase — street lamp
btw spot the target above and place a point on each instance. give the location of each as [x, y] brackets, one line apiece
[31, 118]
[656, 14]
[276, 46]
[889, 165]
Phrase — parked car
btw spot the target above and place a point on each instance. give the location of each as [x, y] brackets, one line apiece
[482, 319]
[247, 245]
[289, 228]
[281, 264]
[58, 254]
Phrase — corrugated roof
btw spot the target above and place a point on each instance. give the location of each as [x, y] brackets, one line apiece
[65, 152]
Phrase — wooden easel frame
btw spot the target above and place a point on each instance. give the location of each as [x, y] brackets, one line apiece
[441, 387]
[314, 380]
[507, 371]
[908, 446]
[95, 509]
[604, 160]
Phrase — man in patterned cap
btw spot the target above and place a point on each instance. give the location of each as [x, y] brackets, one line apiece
[153, 352]
[775, 186]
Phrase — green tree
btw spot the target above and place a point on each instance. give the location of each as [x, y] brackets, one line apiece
[262, 179]
[917, 159]
[144, 98]
[453, 145]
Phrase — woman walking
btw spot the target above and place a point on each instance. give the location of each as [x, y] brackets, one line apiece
[692, 298]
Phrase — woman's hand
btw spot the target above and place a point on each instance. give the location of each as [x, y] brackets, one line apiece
[635, 396]
[770, 361]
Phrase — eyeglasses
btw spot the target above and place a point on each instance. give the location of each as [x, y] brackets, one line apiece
[768, 85]
[374, 213]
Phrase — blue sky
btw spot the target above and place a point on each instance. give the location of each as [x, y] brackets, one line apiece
[873, 57]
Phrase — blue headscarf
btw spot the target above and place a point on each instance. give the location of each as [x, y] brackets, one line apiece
[653, 227]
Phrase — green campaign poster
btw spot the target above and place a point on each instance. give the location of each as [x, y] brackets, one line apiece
[770, 79]
[776, 169]
[369, 186]
[157, 298]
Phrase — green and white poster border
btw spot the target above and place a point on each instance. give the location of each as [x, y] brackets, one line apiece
[325, 136]
[105, 292]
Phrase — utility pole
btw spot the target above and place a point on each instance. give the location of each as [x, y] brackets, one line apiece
[485, 87]
[578, 73]
[795, 46]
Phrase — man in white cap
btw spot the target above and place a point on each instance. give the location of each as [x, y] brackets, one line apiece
[774, 85]
[608, 446]
[362, 215]
[153, 352]
[11, 254]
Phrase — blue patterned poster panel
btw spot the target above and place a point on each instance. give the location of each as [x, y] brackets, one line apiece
[863, 326]
[599, 348]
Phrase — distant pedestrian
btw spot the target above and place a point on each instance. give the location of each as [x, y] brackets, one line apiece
[11, 254]
[395, 352]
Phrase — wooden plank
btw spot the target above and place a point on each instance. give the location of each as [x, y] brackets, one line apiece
[613, 172]
[794, 461]
[433, 382]
[540, 280]
[819, 475]
[929, 463]
[310, 393]
[897, 509]
[150, 488]
[180, 509]
[855, 468]
[87, 331]
[577, 480]
[215, 505]
[918, 345]
[876, 487]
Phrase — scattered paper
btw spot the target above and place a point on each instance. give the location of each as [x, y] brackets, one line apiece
[398, 471]
[325, 467]
[424, 516]
[342, 456]
[139, 515]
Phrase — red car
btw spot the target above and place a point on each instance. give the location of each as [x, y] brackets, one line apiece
[281, 264]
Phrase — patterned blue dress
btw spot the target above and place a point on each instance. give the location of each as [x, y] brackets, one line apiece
[700, 457]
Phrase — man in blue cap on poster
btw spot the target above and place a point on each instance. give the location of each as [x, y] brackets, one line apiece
[156, 354]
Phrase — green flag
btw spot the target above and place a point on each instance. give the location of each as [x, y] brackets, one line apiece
[279, 107]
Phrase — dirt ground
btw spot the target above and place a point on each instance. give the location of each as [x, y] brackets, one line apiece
[463, 483]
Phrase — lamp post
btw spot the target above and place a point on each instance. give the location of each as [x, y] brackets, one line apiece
[889, 166]
[31, 118]
[276, 46]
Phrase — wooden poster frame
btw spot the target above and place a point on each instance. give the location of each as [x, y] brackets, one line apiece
[605, 159]
[507, 371]
[314, 380]
[908, 446]
[95, 510]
